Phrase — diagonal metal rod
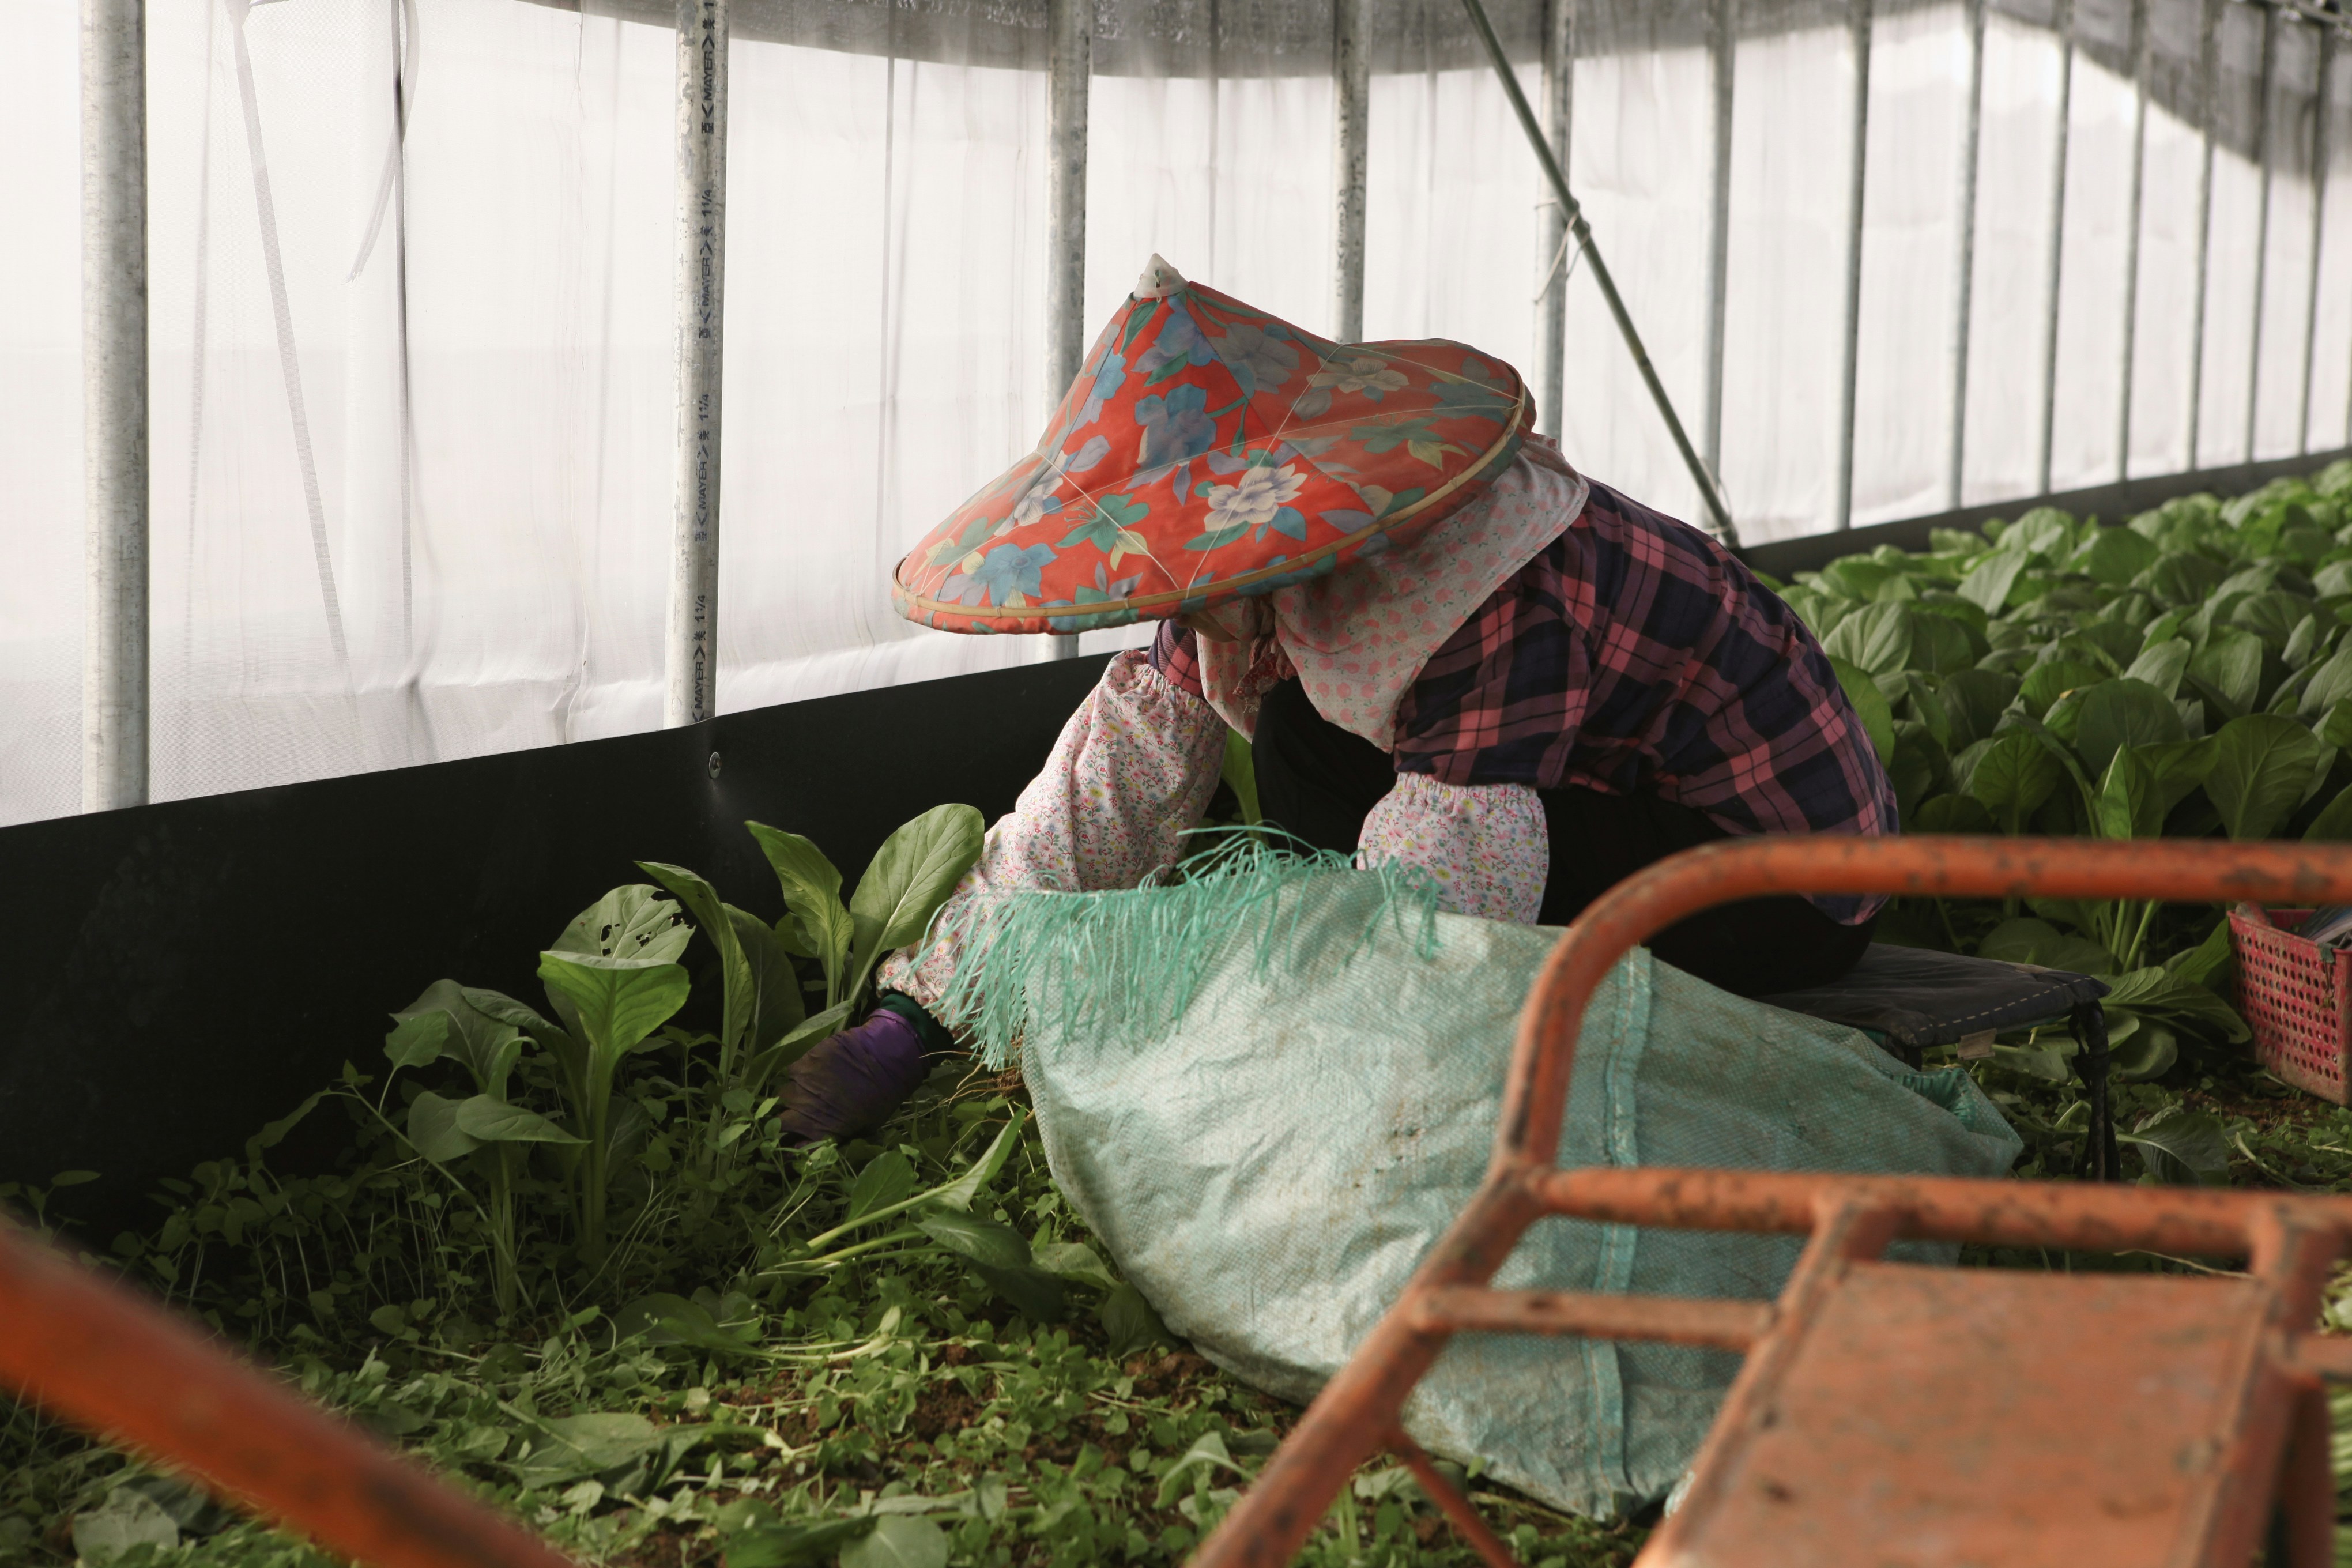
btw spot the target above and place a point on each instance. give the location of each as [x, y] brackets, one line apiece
[1709, 490]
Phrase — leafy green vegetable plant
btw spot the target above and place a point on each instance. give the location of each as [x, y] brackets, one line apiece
[2187, 674]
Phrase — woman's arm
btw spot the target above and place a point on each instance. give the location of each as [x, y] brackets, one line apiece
[1485, 844]
[1131, 775]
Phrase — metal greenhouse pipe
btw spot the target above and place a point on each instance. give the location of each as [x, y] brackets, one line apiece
[114, 681]
[1964, 267]
[690, 663]
[2140, 54]
[2209, 68]
[2319, 150]
[2053, 271]
[1723, 56]
[1710, 492]
[2262, 224]
[1351, 92]
[1857, 169]
[1069, 71]
[1560, 104]
[91, 1352]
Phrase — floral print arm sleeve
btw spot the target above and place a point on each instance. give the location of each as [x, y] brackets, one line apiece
[1131, 773]
[1485, 844]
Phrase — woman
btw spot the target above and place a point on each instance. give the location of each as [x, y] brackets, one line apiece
[1449, 649]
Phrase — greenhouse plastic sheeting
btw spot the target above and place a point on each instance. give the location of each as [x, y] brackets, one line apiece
[1270, 1168]
[457, 441]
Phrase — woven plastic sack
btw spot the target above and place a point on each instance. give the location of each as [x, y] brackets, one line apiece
[1271, 1149]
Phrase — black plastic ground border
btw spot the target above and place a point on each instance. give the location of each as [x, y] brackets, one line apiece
[181, 974]
[1784, 558]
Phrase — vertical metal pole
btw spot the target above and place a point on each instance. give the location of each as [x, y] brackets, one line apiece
[1964, 265]
[1351, 92]
[2139, 52]
[1581, 231]
[2054, 269]
[2207, 106]
[691, 645]
[2319, 150]
[114, 687]
[1723, 54]
[1857, 166]
[2262, 224]
[1069, 70]
[1560, 114]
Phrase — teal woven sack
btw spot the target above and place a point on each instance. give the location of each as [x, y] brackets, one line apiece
[1268, 1090]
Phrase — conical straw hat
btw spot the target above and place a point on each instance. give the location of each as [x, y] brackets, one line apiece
[1210, 451]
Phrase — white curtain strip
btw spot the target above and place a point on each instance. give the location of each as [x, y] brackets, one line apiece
[427, 388]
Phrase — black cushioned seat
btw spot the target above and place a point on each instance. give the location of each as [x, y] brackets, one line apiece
[1914, 997]
[1917, 997]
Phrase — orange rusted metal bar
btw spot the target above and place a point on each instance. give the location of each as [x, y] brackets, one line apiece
[1957, 866]
[2085, 1218]
[1470, 1309]
[93, 1353]
[1344, 1427]
[1456, 1508]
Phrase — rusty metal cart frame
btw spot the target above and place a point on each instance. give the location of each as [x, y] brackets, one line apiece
[2269, 1461]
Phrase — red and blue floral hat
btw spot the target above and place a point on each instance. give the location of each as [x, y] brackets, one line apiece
[1210, 451]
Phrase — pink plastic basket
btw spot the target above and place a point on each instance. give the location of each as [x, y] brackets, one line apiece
[2296, 996]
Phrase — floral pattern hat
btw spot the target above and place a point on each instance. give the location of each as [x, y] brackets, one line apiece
[1209, 451]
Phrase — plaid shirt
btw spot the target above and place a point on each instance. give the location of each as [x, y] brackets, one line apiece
[1635, 654]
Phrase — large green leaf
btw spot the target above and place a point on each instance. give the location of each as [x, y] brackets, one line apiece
[432, 1129]
[2230, 666]
[2114, 555]
[1877, 638]
[2181, 577]
[488, 1047]
[887, 1180]
[620, 1001]
[1940, 644]
[979, 1240]
[1130, 1323]
[2129, 804]
[812, 886]
[2182, 1147]
[1921, 767]
[493, 1120]
[2052, 679]
[2330, 684]
[777, 985]
[2178, 767]
[2262, 766]
[631, 922]
[1870, 705]
[740, 988]
[2015, 774]
[911, 876]
[2123, 712]
[2159, 991]
[1990, 580]
[417, 1041]
[2161, 665]
[1972, 700]
[2271, 616]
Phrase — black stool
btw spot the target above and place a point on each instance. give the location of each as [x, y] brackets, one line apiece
[1914, 997]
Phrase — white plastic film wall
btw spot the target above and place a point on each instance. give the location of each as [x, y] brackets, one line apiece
[476, 343]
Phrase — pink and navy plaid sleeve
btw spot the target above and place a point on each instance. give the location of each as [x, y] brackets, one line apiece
[1635, 654]
[1175, 652]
